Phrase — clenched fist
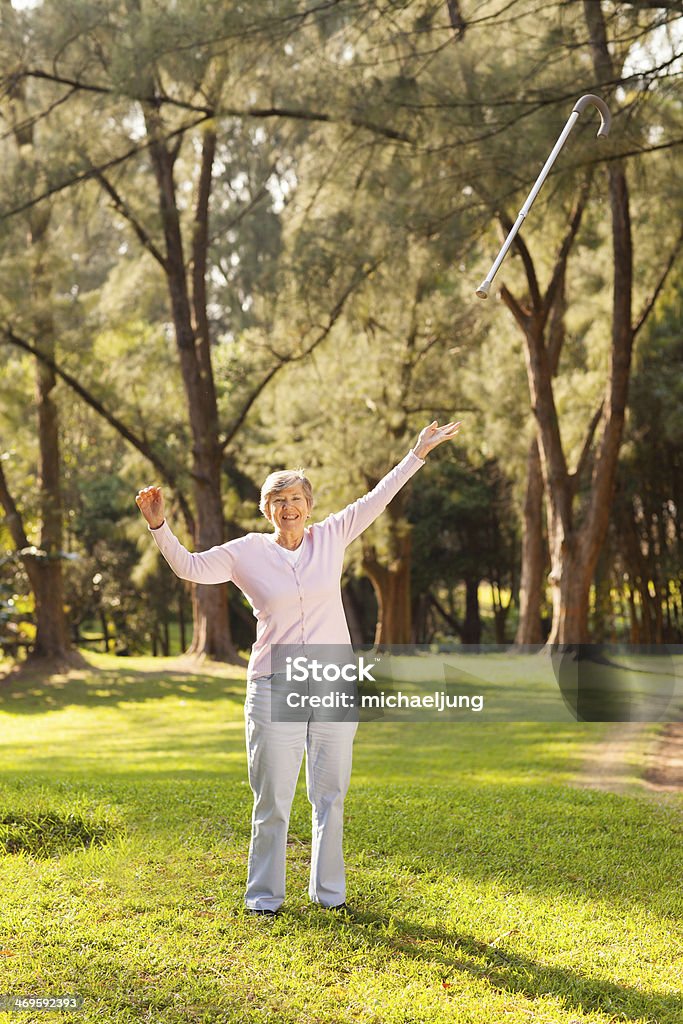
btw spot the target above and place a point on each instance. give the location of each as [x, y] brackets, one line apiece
[150, 501]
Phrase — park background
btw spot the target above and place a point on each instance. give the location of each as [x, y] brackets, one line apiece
[240, 237]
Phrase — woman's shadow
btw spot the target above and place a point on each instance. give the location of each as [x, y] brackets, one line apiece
[505, 970]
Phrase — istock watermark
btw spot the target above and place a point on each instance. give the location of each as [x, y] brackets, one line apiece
[492, 683]
[303, 669]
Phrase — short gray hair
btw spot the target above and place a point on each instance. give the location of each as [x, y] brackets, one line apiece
[285, 478]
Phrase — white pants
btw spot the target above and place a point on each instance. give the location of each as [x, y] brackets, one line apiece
[274, 754]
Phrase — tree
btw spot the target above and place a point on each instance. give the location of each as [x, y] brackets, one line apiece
[370, 148]
[647, 540]
[167, 102]
[578, 512]
[43, 563]
[464, 531]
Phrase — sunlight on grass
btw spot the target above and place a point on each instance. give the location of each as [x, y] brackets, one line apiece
[484, 886]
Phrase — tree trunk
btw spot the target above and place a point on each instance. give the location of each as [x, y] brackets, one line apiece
[603, 630]
[634, 625]
[471, 627]
[570, 596]
[420, 617]
[45, 572]
[590, 536]
[575, 537]
[392, 587]
[352, 616]
[542, 358]
[534, 553]
[52, 633]
[181, 618]
[447, 615]
[211, 625]
[391, 581]
[52, 646]
[500, 613]
[105, 631]
[575, 550]
[532, 582]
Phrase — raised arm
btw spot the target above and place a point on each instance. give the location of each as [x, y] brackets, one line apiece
[212, 566]
[357, 516]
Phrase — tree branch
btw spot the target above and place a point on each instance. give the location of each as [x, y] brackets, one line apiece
[650, 304]
[456, 19]
[29, 123]
[122, 207]
[575, 477]
[284, 360]
[139, 443]
[12, 514]
[656, 5]
[453, 623]
[565, 248]
[519, 313]
[556, 323]
[158, 99]
[90, 172]
[104, 90]
[316, 115]
[529, 269]
[200, 247]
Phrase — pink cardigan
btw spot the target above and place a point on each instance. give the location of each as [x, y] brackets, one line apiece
[298, 603]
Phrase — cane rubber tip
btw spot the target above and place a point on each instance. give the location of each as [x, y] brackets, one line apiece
[482, 291]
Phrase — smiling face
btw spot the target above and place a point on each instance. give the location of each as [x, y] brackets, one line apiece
[288, 510]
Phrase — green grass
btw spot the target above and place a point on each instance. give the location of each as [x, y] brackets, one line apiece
[485, 888]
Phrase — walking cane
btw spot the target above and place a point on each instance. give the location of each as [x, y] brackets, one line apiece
[579, 107]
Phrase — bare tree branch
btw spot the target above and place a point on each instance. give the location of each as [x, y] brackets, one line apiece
[575, 477]
[285, 359]
[656, 5]
[161, 98]
[139, 443]
[294, 114]
[565, 248]
[529, 269]
[456, 19]
[520, 314]
[13, 518]
[650, 304]
[91, 171]
[122, 207]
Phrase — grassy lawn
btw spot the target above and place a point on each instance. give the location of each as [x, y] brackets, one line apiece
[484, 887]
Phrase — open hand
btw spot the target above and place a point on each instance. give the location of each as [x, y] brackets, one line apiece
[150, 501]
[433, 435]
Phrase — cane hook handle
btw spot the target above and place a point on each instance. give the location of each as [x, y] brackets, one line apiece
[605, 116]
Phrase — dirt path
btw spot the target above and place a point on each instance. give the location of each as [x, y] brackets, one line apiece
[664, 765]
[636, 756]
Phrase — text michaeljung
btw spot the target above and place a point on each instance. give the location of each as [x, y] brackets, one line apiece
[438, 700]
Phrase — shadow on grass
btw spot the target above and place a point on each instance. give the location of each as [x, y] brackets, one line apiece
[554, 840]
[506, 971]
[27, 694]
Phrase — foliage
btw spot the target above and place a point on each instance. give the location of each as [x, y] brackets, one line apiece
[363, 153]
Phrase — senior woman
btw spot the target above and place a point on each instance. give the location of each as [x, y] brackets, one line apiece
[291, 577]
